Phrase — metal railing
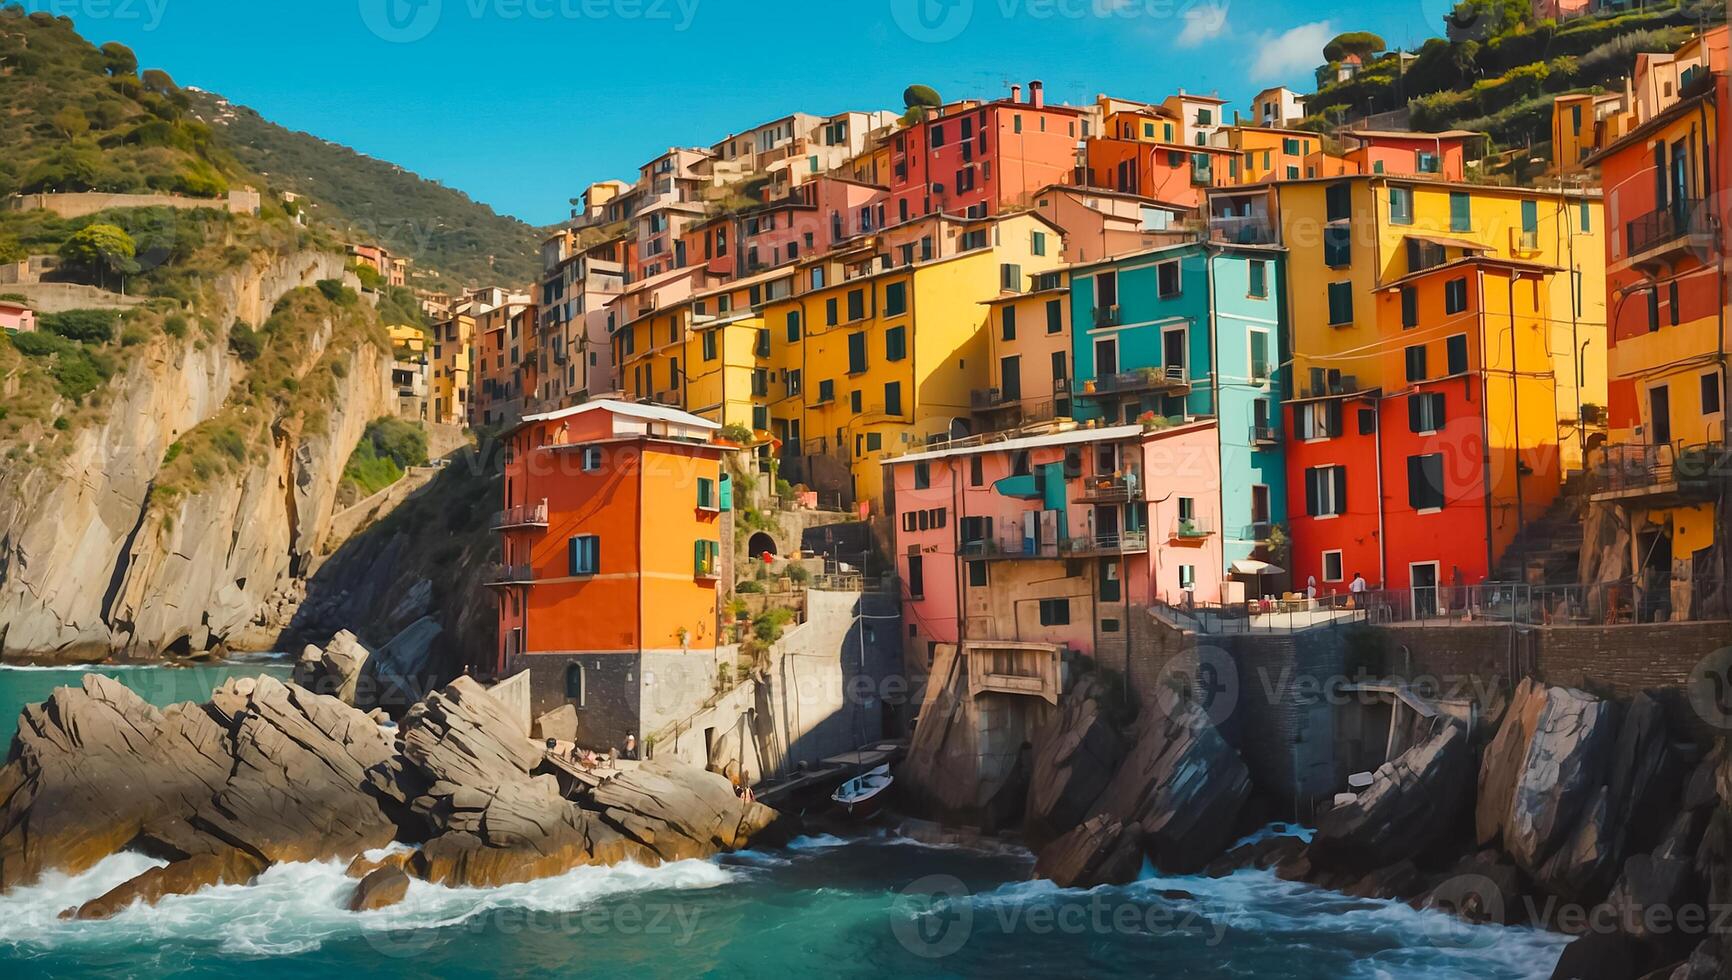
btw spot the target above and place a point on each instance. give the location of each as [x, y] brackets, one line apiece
[1241, 230]
[510, 575]
[1252, 615]
[525, 515]
[1107, 316]
[1632, 466]
[989, 398]
[1191, 529]
[1124, 542]
[1107, 489]
[1265, 435]
[1663, 225]
[1171, 376]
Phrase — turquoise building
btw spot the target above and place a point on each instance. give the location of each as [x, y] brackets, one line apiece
[1187, 331]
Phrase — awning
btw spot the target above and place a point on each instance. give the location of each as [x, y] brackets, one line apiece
[1252, 566]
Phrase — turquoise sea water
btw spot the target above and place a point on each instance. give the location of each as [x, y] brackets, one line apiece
[870, 906]
[158, 685]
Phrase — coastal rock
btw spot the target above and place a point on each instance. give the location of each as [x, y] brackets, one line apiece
[1075, 756]
[1566, 762]
[362, 865]
[401, 672]
[1183, 785]
[381, 888]
[1501, 766]
[560, 723]
[1645, 767]
[1262, 855]
[335, 670]
[183, 877]
[1399, 880]
[1602, 956]
[1581, 869]
[266, 768]
[1099, 851]
[1483, 888]
[1413, 803]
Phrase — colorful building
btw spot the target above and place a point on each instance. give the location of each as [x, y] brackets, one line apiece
[611, 541]
[410, 370]
[1267, 153]
[1061, 537]
[1278, 107]
[1099, 223]
[16, 317]
[452, 363]
[575, 360]
[505, 357]
[978, 160]
[1191, 331]
[1029, 355]
[1441, 155]
[1665, 467]
[1170, 172]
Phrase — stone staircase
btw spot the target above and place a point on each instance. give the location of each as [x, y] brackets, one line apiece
[1548, 551]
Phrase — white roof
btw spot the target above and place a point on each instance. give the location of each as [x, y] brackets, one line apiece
[1070, 438]
[654, 413]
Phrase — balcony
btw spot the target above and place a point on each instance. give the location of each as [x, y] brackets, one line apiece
[1010, 545]
[1142, 379]
[1667, 231]
[1660, 473]
[988, 399]
[1120, 543]
[1107, 490]
[524, 516]
[1191, 531]
[502, 576]
[1108, 316]
[1243, 230]
[1265, 435]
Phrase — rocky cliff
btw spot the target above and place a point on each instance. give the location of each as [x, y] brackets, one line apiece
[96, 562]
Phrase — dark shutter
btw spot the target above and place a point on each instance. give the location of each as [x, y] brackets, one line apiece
[1311, 493]
[1340, 490]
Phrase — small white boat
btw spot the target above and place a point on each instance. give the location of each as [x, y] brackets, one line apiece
[863, 796]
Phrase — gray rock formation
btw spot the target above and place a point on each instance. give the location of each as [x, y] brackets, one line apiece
[1413, 803]
[1099, 851]
[1075, 756]
[91, 567]
[335, 670]
[1565, 764]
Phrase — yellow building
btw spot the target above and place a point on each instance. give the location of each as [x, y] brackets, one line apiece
[889, 353]
[1350, 236]
[1271, 154]
[453, 339]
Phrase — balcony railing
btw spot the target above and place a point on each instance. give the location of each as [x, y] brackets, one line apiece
[1142, 379]
[503, 575]
[1107, 489]
[1108, 316]
[985, 399]
[1121, 543]
[1191, 529]
[1265, 435]
[1634, 469]
[1241, 230]
[526, 515]
[1665, 226]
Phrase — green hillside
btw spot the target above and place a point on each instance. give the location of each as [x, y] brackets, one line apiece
[443, 229]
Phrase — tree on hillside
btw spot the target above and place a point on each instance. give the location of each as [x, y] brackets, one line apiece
[917, 99]
[100, 249]
[1364, 44]
[70, 122]
[118, 59]
[157, 80]
[10, 250]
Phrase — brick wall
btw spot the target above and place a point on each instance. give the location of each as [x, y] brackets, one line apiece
[610, 706]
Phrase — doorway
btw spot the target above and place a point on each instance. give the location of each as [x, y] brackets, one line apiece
[1423, 577]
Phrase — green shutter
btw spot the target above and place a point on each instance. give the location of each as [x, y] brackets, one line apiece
[727, 502]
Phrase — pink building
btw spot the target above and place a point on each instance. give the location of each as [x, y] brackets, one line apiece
[1064, 536]
[1442, 155]
[16, 317]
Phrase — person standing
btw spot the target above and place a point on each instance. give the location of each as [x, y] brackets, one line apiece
[630, 747]
[1356, 590]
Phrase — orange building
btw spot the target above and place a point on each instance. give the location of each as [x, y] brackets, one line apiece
[611, 546]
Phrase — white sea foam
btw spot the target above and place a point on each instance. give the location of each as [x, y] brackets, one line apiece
[294, 908]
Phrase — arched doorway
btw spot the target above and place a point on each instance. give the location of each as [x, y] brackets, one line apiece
[761, 543]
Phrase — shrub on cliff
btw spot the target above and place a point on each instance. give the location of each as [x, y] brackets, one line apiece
[84, 326]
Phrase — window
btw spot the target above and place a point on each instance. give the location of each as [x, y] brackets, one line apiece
[855, 404]
[893, 398]
[1037, 244]
[1290, 146]
[760, 417]
[1055, 612]
[826, 391]
[1425, 481]
[977, 574]
[1326, 491]
[1401, 205]
[1259, 504]
[976, 472]
[583, 555]
[1425, 412]
[856, 305]
[762, 347]
[1530, 220]
[793, 326]
[1455, 352]
[1007, 319]
[1054, 316]
[1426, 163]
[1332, 567]
[916, 577]
[793, 381]
[1587, 223]
[1258, 273]
[1409, 307]
[895, 343]
[1455, 295]
[922, 476]
[709, 342]
[1259, 356]
[1416, 362]
[1340, 304]
[1010, 277]
[1107, 289]
[574, 684]
[830, 312]
[1460, 211]
[1660, 415]
[1710, 394]
[1338, 202]
[896, 299]
[706, 559]
[1672, 301]
[1318, 420]
[1338, 246]
[1167, 276]
[707, 494]
[856, 353]
[590, 459]
[1188, 577]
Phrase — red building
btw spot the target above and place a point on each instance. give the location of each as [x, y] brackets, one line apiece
[1169, 172]
[978, 160]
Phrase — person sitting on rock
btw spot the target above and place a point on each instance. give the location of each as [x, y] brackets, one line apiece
[630, 747]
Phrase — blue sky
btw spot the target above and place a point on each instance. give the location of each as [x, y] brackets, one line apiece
[520, 103]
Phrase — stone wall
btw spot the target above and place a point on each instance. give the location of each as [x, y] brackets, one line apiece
[77, 205]
[609, 709]
[513, 693]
